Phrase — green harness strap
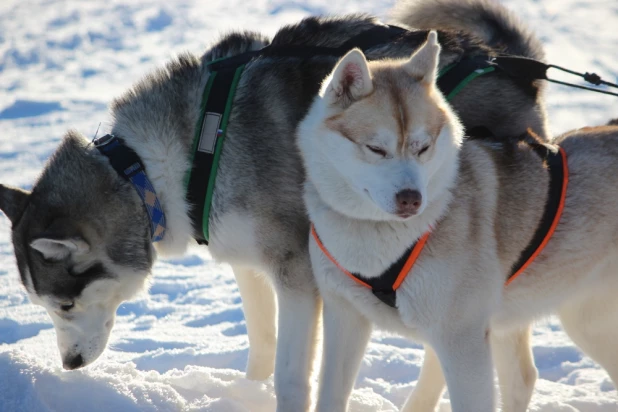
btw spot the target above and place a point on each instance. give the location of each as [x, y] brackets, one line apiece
[215, 164]
[468, 79]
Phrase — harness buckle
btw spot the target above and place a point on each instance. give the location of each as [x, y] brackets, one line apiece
[104, 140]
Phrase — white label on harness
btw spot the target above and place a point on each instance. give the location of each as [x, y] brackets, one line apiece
[210, 132]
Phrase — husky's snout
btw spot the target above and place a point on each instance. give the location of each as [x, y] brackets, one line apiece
[408, 202]
[72, 362]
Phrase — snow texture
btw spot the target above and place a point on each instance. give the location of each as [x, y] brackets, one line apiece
[183, 345]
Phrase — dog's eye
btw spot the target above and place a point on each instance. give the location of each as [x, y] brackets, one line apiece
[68, 307]
[377, 150]
[423, 150]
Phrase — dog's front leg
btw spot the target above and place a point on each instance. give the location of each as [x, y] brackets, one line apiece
[429, 386]
[465, 356]
[346, 333]
[299, 311]
[258, 305]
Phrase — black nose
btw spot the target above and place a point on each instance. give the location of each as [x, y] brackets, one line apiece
[73, 363]
[408, 201]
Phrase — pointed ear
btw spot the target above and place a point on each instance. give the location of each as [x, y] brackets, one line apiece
[350, 80]
[62, 238]
[423, 63]
[59, 249]
[13, 202]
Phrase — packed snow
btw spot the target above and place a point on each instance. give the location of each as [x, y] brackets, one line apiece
[183, 344]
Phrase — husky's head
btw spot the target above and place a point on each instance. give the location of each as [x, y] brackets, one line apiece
[82, 243]
[378, 133]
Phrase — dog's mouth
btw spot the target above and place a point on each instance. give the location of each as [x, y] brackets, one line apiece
[405, 216]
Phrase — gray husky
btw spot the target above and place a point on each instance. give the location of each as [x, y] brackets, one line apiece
[493, 233]
[82, 236]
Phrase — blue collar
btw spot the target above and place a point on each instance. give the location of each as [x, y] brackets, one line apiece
[130, 167]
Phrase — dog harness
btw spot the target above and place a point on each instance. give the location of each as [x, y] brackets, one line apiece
[129, 166]
[385, 286]
[555, 159]
[219, 94]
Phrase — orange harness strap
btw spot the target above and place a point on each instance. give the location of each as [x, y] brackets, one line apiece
[385, 285]
[559, 180]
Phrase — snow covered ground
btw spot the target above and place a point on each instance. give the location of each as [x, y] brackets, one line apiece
[183, 346]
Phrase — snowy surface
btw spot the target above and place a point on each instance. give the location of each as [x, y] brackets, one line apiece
[183, 346]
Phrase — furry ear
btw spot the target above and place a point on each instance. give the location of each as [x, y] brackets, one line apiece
[59, 249]
[350, 79]
[423, 63]
[13, 202]
[62, 238]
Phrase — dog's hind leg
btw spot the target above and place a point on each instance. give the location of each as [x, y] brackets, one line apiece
[591, 323]
[429, 386]
[346, 333]
[258, 302]
[514, 363]
[299, 307]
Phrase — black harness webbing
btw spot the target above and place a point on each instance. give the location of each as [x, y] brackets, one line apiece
[382, 286]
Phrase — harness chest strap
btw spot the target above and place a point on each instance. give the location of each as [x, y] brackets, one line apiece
[384, 287]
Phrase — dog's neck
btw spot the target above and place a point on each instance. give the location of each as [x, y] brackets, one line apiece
[163, 142]
[166, 164]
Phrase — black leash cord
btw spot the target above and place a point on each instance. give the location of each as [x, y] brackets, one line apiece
[582, 87]
[592, 78]
[525, 67]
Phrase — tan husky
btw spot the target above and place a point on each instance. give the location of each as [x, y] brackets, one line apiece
[392, 191]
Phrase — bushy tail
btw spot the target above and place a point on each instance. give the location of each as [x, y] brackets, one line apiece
[493, 23]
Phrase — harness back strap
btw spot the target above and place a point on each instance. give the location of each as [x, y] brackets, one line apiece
[558, 181]
[385, 285]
